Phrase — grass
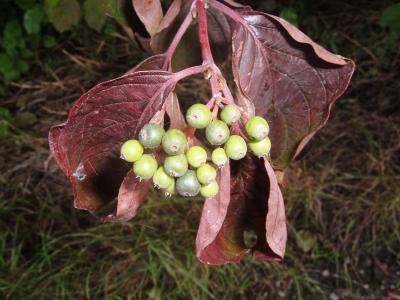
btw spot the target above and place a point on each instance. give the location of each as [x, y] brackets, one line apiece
[343, 199]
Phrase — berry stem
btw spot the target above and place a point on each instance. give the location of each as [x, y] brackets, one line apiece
[215, 112]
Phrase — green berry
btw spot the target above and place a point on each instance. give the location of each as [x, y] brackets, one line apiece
[218, 156]
[131, 150]
[151, 135]
[217, 132]
[206, 173]
[174, 142]
[145, 167]
[260, 148]
[257, 128]
[176, 165]
[196, 156]
[230, 114]
[198, 116]
[188, 185]
[236, 147]
[209, 190]
[171, 190]
[161, 179]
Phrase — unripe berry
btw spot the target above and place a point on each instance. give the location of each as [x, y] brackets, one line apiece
[206, 174]
[161, 179]
[176, 165]
[196, 156]
[230, 114]
[174, 142]
[188, 185]
[236, 147]
[131, 150]
[198, 116]
[260, 148]
[257, 128]
[209, 190]
[218, 157]
[145, 167]
[217, 132]
[171, 190]
[151, 135]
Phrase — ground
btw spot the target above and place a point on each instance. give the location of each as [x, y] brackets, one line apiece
[342, 199]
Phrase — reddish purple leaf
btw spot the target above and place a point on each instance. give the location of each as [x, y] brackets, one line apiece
[250, 199]
[153, 63]
[131, 197]
[275, 226]
[219, 239]
[150, 13]
[291, 80]
[87, 146]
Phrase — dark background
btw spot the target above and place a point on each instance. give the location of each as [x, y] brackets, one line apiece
[342, 201]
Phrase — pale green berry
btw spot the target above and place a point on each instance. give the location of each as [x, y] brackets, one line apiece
[161, 179]
[188, 185]
[176, 165]
[217, 133]
[236, 147]
[218, 156]
[257, 128]
[209, 190]
[230, 114]
[260, 148]
[206, 173]
[198, 116]
[131, 150]
[171, 190]
[174, 142]
[145, 167]
[151, 135]
[196, 156]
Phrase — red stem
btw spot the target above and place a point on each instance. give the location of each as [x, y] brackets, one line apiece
[203, 32]
[190, 71]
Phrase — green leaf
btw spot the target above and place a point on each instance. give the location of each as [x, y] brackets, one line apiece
[33, 19]
[95, 13]
[114, 9]
[26, 53]
[49, 41]
[50, 4]
[7, 67]
[25, 4]
[391, 18]
[22, 66]
[290, 15]
[63, 14]
[305, 240]
[12, 33]
[5, 114]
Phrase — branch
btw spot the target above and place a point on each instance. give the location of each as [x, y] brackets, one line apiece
[178, 37]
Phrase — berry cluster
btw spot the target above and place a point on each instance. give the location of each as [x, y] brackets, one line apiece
[189, 171]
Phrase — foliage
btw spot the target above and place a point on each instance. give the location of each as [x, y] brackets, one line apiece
[280, 74]
[26, 25]
[5, 120]
[390, 20]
